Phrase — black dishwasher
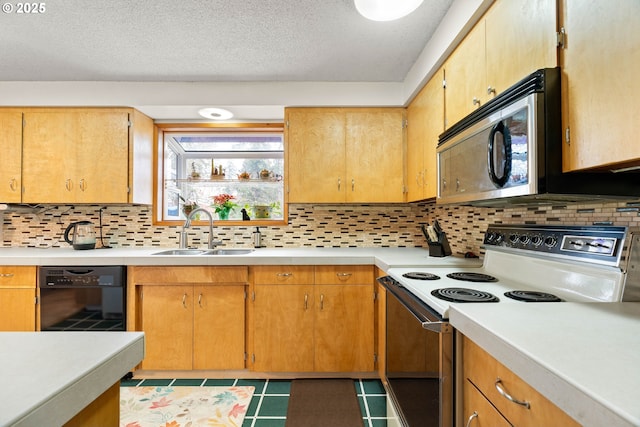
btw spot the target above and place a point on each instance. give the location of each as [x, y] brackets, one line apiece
[82, 298]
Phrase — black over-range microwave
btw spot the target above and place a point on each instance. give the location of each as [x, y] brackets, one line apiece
[509, 151]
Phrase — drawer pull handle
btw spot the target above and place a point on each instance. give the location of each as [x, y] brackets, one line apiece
[321, 301]
[200, 300]
[184, 300]
[284, 274]
[471, 418]
[508, 396]
[306, 301]
[343, 274]
[13, 184]
[6, 275]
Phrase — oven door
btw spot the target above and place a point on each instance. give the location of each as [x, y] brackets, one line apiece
[419, 359]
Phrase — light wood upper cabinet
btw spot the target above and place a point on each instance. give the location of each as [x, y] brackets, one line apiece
[76, 156]
[337, 155]
[315, 150]
[18, 298]
[374, 155]
[425, 123]
[465, 75]
[10, 156]
[600, 63]
[520, 38]
[512, 40]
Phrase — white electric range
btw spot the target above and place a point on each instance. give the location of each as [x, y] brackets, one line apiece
[527, 263]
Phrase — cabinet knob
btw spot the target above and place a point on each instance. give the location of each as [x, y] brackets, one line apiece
[476, 101]
[491, 90]
[83, 185]
[6, 275]
[68, 184]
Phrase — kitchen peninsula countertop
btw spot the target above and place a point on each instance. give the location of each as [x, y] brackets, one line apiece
[50, 376]
[382, 257]
[581, 356]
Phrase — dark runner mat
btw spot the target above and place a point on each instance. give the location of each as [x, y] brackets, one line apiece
[323, 403]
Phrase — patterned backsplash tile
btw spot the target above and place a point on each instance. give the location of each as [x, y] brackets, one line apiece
[372, 225]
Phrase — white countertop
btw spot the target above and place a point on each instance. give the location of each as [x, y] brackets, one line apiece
[48, 377]
[585, 357]
[382, 257]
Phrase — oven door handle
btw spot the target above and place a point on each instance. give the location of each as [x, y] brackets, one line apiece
[428, 318]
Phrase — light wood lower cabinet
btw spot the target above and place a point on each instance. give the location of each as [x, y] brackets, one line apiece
[318, 319]
[484, 374]
[193, 317]
[18, 298]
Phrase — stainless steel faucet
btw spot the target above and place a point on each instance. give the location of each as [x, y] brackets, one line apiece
[187, 223]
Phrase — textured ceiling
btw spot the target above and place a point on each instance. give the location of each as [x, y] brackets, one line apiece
[211, 41]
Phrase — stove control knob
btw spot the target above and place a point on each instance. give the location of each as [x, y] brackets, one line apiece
[513, 238]
[536, 240]
[490, 238]
[550, 241]
[499, 238]
[524, 239]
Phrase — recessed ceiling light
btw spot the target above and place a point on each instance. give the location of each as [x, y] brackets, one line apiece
[215, 113]
[386, 10]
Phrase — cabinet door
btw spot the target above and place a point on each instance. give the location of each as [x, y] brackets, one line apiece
[344, 330]
[315, 155]
[218, 327]
[102, 153]
[600, 84]
[520, 38]
[18, 309]
[466, 76]
[48, 171]
[478, 411]
[283, 328]
[425, 116]
[375, 155]
[167, 321]
[11, 156]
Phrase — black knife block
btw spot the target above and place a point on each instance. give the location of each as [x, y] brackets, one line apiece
[440, 248]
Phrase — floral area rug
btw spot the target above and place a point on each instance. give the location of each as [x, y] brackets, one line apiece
[183, 406]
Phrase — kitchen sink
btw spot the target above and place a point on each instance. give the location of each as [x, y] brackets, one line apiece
[229, 251]
[184, 252]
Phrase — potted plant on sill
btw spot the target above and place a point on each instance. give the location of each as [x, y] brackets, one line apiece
[223, 205]
[188, 206]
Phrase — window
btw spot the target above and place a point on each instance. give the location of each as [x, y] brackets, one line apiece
[247, 164]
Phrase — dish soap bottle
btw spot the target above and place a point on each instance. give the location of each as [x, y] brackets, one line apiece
[257, 238]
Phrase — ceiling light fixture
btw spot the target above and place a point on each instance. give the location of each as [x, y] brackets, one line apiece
[215, 113]
[386, 10]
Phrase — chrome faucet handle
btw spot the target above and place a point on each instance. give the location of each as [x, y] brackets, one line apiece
[214, 244]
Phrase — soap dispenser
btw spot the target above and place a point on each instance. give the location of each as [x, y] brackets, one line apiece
[257, 238]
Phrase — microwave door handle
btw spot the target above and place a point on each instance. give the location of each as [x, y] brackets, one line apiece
[499, 129]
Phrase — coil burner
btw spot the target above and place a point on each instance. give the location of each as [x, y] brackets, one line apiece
[417, 275]
[472, 277]
[532, 296]
[464, 295]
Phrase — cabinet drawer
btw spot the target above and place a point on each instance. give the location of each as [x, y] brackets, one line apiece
[344, 274]
[17, 277]
[283, 274]
[191, 274]
[483, 371]
[478, 411]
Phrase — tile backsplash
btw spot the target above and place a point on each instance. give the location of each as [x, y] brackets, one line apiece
[371, 225]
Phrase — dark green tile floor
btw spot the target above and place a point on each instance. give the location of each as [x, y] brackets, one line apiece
[268, 406]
